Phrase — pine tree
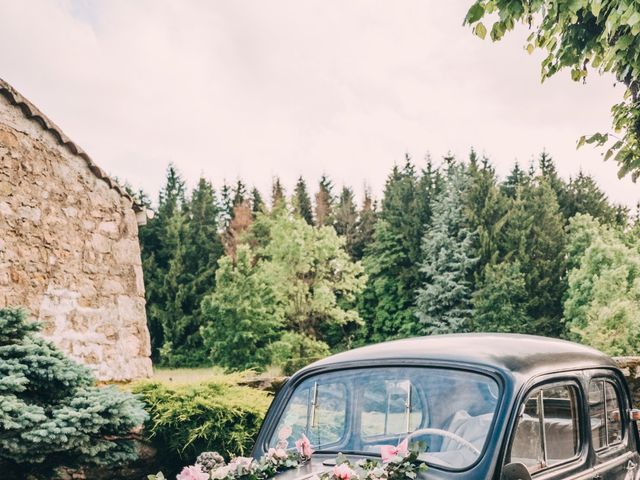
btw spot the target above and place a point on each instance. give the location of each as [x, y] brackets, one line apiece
[302, 202]
[534, 236]
[500, 303]
[191, 276]
[257, 203]
[486, 209]
[444, 301]
[239, 193]
[324, 202]
[242, 219]
[587, 198]
[158, 249]
[345, 219]
[365, 226]
[392, 261]
[52, 414]
[277, 195]
[558, 185]
[226, 206]
[171, 311]
[516, 178]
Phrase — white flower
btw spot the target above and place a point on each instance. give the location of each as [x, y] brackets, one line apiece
[220, 472]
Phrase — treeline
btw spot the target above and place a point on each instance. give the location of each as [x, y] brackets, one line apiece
[245, 282]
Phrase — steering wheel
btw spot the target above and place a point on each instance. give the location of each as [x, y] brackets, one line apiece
[444, 433]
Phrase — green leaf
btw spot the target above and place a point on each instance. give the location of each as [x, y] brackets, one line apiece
[530, 48]
[475, 13]
[596, 6]
[480, 30]
[497, 31]
[608, 155]
[581, 141]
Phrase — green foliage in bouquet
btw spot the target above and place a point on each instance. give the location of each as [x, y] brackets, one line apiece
[187, 420]
[51, 412]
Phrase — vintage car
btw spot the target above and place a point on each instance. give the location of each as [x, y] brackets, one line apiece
[488, 406]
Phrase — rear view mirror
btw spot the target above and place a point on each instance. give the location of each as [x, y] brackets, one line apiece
[515, 471]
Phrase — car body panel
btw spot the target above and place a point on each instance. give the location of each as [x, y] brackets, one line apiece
[518, 362]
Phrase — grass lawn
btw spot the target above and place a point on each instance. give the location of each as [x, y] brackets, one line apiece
[184, 376]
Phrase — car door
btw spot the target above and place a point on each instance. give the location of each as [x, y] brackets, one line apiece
[549, 437]
[616, 457]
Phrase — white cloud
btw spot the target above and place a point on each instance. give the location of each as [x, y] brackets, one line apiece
[255, 88]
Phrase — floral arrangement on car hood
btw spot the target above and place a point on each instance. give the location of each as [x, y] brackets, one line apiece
[398, 463]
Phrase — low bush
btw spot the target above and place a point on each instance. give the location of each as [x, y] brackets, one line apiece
[296, 350]
[213, 416]
[52, 414]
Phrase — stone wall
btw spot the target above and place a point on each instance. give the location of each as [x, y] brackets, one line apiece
[69, 250]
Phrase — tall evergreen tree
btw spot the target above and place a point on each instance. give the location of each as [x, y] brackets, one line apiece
[158, 247]
[234, 235]
[346, 219]
[257, 203]
[486, 208]
[239, 193]
[324, 202]
[516, 178]
[226, 205]
[534, 236]
[444, 301]
[171, 311]
[200, 249]
[549, 172]
[392, 261]
[588, 198]
[365, 226]
[302, 201]
[277, 195]
[500, 302]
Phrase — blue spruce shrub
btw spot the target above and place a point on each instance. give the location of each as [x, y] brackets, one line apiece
[52, 414]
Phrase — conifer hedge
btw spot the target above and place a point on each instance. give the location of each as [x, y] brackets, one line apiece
[187, 420]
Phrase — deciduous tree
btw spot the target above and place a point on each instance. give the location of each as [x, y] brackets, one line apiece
[601, 35]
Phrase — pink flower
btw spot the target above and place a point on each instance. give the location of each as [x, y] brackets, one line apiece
[387, 452]
[303, 445]
[343, 472]
[193, 472]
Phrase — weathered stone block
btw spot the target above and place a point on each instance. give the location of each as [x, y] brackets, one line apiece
[32, 214]
[127, 252]
[100, 243]
[5, 209]
[111, 286]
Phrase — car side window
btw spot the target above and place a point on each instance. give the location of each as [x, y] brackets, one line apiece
[548, 428]
[604, 412]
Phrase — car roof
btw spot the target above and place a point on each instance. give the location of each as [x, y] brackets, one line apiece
[526, 355]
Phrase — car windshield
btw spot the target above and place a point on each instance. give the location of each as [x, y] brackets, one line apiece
[361, 410]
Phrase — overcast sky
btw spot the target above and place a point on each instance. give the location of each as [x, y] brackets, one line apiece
[252, 89]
